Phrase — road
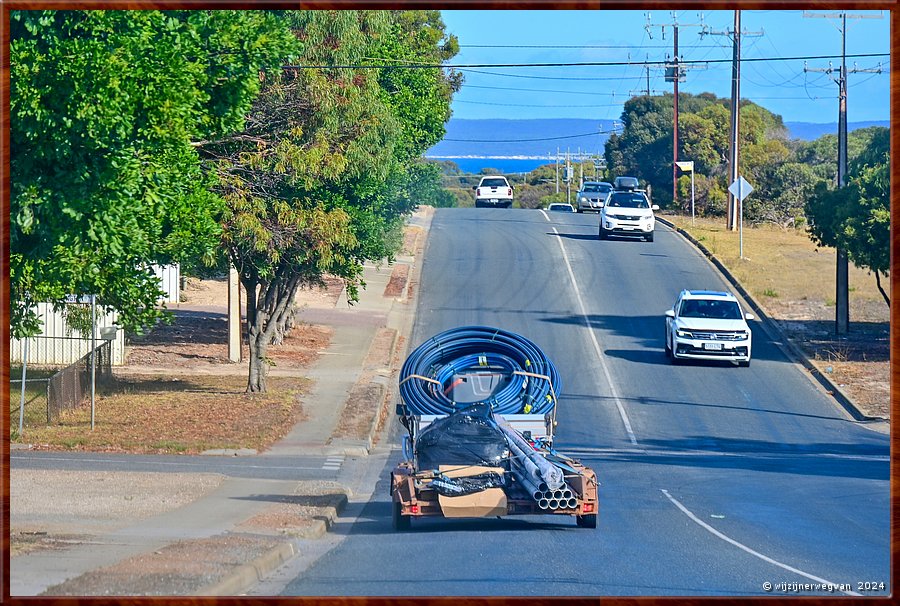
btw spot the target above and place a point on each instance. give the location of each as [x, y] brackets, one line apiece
[714, 479]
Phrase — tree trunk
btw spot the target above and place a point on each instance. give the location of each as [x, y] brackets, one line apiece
[265, 309]
[883, 294]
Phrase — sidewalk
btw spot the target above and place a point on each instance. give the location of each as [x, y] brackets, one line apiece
[232, 532]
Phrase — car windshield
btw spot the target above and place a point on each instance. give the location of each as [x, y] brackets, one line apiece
[564, 207]
[628, 200]
[710, 308]
[595, 188]
[494, 183]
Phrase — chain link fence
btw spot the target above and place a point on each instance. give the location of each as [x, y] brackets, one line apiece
[49, 392]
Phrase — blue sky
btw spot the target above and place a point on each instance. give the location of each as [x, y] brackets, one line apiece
[598, 92]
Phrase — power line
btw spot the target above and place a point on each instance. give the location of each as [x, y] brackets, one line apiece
[532, 105]
[593, 134]
[573, 46]
[576, 64]
[539, 90]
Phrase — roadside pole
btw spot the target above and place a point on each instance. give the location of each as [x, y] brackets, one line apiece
[93, 356]
[689, 167]
[22, 400]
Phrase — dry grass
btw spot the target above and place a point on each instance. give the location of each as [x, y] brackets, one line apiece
[793, 280]
[177, 415]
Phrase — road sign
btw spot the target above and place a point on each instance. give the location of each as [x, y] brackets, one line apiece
[740, 189]
[686, 166]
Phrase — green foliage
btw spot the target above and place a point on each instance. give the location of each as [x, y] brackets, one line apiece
[104, 106]
[857, 217]
[327, 166]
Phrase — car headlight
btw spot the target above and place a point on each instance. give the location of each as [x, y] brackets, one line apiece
[583, 199]
[683, 334]
[743, 335]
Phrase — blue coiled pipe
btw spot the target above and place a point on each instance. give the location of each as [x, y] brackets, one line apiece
[472, 348]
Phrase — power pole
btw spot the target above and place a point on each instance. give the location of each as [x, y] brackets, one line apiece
[557, 170]
[734, 142]
[675, 73]
[842, 281]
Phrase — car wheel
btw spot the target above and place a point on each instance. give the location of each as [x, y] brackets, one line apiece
[668, 349]
[586, 521]
[649, 237]
[578, 210]
[602, 234]
[744, 363]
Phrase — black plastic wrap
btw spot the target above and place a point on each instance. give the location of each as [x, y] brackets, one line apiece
[458, 487]
[469, 436]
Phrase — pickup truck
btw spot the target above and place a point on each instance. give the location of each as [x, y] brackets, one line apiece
[493, 190]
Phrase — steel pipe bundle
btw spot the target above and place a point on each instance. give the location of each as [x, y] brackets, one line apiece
[540, 468]
[430, 368]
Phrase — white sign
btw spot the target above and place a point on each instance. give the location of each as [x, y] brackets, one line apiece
[740, 189]
[686, 166]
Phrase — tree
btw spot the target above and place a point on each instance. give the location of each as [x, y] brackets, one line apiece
[857, 217]
[324, 172]
[104, 179]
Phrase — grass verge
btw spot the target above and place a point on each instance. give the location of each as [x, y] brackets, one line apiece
[177, 415]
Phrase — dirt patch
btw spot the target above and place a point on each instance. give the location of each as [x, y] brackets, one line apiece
[397, 284]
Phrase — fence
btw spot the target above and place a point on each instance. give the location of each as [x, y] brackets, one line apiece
[66, 389]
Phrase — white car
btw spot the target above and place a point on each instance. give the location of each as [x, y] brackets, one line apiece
[493, 190]
[708, 325]
[627, 213]
[560, 207]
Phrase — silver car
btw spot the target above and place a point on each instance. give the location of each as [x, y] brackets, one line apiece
[592, 195]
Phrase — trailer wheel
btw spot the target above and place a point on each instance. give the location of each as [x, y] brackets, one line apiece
[586, 521]
[399, 521]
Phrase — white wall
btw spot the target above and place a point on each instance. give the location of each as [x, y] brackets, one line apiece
[61, 352]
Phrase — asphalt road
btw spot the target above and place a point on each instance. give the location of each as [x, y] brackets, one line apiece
[715, 480]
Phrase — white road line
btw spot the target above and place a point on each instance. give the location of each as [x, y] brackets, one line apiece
[762, 557]
[546, 216]
[600, 356]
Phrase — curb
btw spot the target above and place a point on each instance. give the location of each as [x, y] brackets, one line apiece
[247, 575]
[785, 342]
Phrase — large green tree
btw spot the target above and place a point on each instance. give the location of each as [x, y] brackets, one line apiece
[320, 178]
[104, 106]
[857, 217]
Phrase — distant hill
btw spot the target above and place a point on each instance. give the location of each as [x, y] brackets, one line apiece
[542, 137]
[807, 131]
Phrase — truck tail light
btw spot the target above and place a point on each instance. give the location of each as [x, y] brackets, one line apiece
[588, 507]
[478, 192]
[508, 191]
[414, 509]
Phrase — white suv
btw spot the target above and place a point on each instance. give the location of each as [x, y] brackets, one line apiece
[494, 190]
[708, 325]
[627, 213]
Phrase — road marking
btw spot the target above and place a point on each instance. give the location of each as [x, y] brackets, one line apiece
[333, 463]
[762, 557]
[586, 451]
[546, 216]
[600, 356]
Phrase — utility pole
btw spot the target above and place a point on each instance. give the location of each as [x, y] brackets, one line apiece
[557, 170]
[842, 281]
[675, 73]
[734, 143]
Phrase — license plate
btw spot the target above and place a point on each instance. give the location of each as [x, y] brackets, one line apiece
[713, 346]
[494, 200]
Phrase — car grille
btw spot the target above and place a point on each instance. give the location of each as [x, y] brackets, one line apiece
[627, 217]
[715, 335]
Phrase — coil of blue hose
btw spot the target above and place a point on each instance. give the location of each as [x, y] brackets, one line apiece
[429, 369]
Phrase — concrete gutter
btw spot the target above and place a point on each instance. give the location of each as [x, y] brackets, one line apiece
[783, 341]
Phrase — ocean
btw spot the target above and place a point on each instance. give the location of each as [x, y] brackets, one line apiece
[504, 165]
